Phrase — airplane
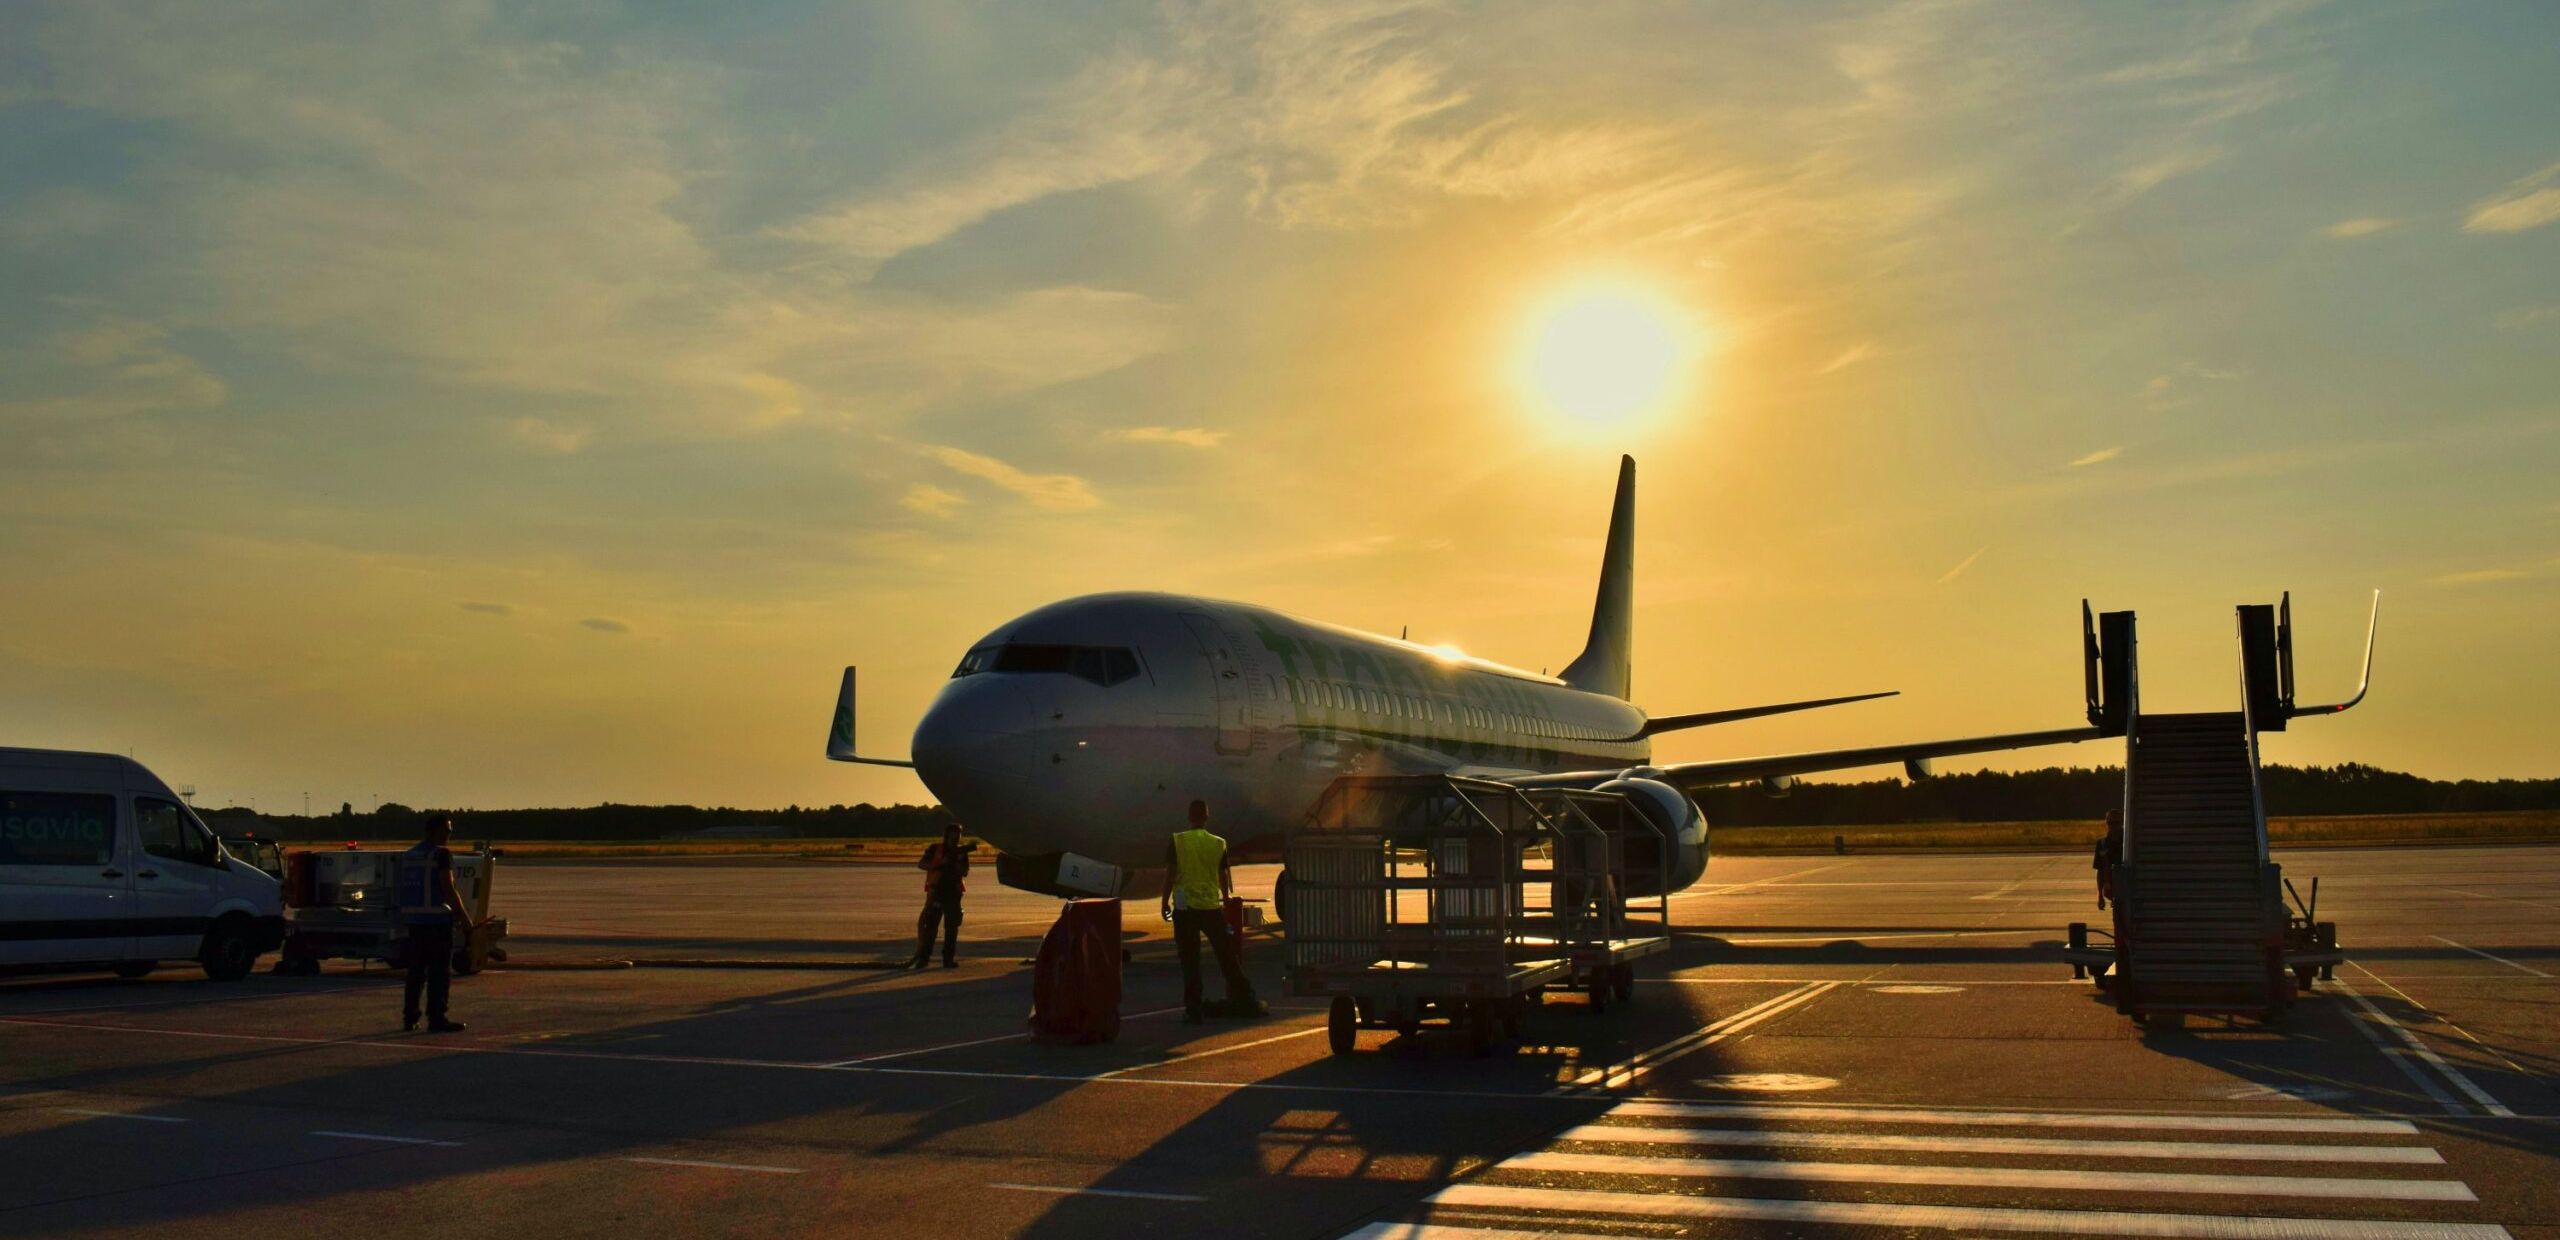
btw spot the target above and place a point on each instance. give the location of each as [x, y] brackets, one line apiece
[1074, 737]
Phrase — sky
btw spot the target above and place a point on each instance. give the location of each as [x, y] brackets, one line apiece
[529, 405]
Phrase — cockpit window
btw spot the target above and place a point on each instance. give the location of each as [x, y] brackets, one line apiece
[1103, 665]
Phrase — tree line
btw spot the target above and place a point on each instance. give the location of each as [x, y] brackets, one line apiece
[2065, 793]
[2049, 794]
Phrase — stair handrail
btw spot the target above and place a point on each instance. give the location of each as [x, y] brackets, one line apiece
[2132, 735]
[2249, 729]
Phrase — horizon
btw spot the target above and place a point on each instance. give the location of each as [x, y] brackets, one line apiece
[474, 408]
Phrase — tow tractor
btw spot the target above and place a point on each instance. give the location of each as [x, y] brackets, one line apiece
[339, 905]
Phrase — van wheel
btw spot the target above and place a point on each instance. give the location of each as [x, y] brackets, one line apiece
[132, 969]
[228, 952]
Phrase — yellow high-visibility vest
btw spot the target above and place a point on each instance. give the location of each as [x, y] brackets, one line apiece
[1196, 855]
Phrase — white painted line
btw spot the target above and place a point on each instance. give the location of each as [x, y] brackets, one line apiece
[375, 1136]
[1879, 938]
[2424, 1051]
[151, 1119]
[2486, 956]
[2399, 1057]
[1794, 981]
[715, 1166]
[1962, 1218]
[1737, 888]
[1636, 1134]
[1220, 1050]
[1061, 1191]
[2073, 1180]
[2021, 1119]
[1627, 1070]
[953, 1046]
[2482, 895]
[1440, 1231]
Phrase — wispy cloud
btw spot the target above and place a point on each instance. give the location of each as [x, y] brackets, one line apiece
[2099, 457]
[2528, 202]
[1057, 492]
[2162, 168]
[2524, 317]
[602, 625]
[1961, 565]
[1186, 436]
[490, 609]
[1848, 357]
[931, 500]
[114, 368]
[2362, 226]
[2480, 576]
[546, 435]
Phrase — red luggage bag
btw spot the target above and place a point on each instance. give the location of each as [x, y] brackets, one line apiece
[1075, 980]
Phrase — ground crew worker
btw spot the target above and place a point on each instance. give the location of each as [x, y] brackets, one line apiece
[2110, 851]
[1197, 885]
[946, 870]
[431, 908]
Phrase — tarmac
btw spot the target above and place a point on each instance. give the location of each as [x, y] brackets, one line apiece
[1851, 1046]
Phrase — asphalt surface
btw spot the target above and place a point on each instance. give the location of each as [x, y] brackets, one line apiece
[1856, 1046]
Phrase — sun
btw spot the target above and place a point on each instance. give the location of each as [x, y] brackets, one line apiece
[1605, 353]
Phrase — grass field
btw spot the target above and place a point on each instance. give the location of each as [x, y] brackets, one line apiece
[1946, 836]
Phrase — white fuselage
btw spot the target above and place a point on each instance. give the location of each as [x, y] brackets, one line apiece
[1088, 726]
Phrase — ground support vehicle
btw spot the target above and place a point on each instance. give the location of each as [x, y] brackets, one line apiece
[1444, 900]
[340, 905]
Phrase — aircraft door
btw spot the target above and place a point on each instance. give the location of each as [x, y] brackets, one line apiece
[1227, 679]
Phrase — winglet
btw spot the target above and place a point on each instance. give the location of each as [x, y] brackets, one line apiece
[840, 733]
[2373, 622]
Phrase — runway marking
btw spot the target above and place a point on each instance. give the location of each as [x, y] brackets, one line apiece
[759, 1168]
[2482, 895]
[1879, 938]
[375, 1136]
[417, 1046]
[2419, 1046]
[1635, 1134]
[2019, 1119]
[1646, 1060]
[148, 1119]
[953, 1046]
[1961, 1218]
[1221, 1050]
[1060, 1191]
[2486, 956]
[1437, 1231]
[1997, 1177]
[1762, 882]
[1796, 981]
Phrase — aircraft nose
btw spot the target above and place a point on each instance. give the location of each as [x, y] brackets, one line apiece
[972, 737]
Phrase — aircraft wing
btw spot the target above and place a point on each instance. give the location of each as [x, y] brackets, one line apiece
[1691, 776]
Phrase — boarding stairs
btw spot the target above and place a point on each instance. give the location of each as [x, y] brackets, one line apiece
[2202, 923]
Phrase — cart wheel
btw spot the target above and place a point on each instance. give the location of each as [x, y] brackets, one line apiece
[1342, 1027]
[1622, 981]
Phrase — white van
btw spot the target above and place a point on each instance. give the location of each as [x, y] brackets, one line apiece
[102, 866]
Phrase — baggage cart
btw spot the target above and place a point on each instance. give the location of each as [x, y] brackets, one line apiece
[1458, 902]
[340, 905]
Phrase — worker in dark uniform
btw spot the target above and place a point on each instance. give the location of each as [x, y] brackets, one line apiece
[2110, 850]
[946, 871]
[431, 909]
[1197, 885]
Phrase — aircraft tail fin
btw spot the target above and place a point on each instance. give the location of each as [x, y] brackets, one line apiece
[1606, 664]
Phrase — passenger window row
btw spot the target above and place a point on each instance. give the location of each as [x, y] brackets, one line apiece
[1103, 665]
[1330, 695]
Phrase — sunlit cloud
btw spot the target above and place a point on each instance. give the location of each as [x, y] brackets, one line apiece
[931, 500]
[1058, 492]
[2099, 457]
[2530, 202]
[1848, 357]
[2159, 170]
[547, 435]
[1961, 565]
[1187, 436]
[2480, 577]
[115, 368]
[2363, 226]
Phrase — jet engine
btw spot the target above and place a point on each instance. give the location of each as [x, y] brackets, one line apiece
[1680, 820]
